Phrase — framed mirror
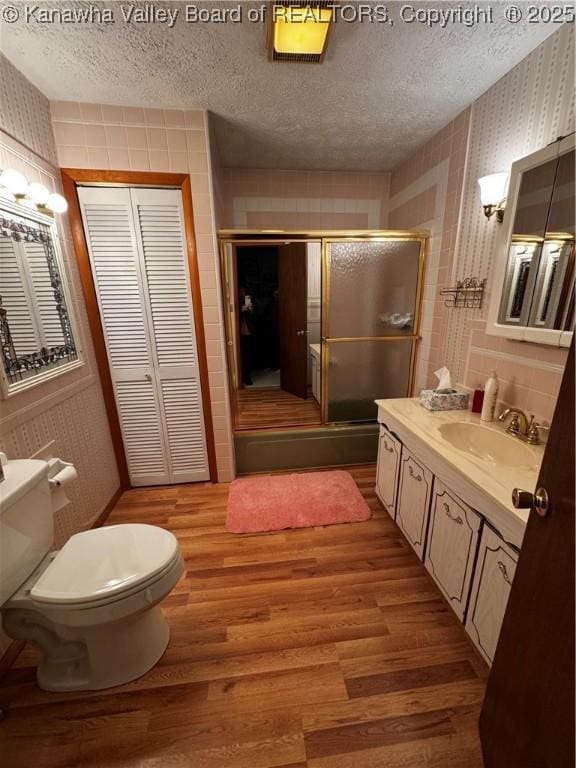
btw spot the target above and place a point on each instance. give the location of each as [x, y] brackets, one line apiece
[37, 330]
[532, 296]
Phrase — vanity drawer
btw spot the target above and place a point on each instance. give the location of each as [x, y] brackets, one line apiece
[414, 492]
[452, 543]
[389, 453]
[495, 569]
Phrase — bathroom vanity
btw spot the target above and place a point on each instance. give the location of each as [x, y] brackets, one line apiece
[446, 478]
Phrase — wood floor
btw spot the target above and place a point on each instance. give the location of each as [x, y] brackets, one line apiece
[274, 408]
[319, 648]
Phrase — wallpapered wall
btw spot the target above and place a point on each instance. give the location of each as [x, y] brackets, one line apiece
[129, 138]
[276, 199]
[29, 420]
[528, 108]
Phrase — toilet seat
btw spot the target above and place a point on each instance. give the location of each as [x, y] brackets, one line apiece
[106, 565]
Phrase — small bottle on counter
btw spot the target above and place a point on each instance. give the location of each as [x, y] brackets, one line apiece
[477, 400]
[490, 397]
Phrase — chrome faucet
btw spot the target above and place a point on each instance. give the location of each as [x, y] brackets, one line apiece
[521, 427]
[514, 427]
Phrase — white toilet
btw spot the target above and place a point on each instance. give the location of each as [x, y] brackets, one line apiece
[92, 607]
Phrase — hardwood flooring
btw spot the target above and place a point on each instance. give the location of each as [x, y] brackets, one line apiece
[312, 648]
[274, 408]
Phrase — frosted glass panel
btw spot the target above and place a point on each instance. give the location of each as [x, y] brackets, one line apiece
[359, 372]
[373, 288]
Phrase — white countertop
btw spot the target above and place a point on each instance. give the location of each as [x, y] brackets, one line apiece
[483, 484]
[315, 348]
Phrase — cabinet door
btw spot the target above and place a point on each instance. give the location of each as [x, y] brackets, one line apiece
[493, 578]
[414, 493]
[389, 452]
[452, 541]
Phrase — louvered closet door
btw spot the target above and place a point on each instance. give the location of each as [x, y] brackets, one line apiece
[160, 230]
[16, 299]
[113, 248]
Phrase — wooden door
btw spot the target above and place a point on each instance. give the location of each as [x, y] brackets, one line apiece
[528, 715]
[293, 318]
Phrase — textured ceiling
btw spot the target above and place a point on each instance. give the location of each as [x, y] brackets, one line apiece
[381, 92]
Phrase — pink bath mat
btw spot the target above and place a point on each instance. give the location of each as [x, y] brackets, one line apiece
[275, 502]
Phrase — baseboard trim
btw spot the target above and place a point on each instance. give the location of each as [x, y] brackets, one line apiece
[16, 646]
[105, 513]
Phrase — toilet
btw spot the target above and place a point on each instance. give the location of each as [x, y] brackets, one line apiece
[92, 608]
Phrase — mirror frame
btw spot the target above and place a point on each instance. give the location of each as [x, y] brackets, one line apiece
[549, 336]
[8, 389]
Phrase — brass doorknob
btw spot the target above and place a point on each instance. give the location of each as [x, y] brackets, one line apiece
[526, 500]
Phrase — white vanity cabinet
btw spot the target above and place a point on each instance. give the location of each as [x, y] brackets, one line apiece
[414, 492]
[452, 544]
[495, 569]
[389, 453]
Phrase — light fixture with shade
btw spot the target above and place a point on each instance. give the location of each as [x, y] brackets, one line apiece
[14, 181]
[56, 203]
[493, 189]
[299, 30]
[14, 186]
[37, 192]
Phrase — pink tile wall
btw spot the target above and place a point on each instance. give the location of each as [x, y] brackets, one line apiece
[484, 138]
[422, 210]
[128, 138]
[309, 198]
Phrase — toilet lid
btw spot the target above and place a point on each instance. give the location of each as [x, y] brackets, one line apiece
[105, 562]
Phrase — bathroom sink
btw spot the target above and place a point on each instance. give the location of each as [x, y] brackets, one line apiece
[489, 445]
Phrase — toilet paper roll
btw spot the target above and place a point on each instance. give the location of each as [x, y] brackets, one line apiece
[65, 476]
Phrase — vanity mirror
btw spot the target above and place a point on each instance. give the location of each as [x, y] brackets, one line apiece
[532, 297]
[36, 328]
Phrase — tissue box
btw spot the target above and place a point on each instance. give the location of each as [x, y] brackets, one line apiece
[453, 401]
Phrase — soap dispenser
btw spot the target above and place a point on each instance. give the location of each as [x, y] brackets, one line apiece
[490, 396]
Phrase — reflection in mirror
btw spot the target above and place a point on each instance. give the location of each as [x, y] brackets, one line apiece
[35, 329]
[554, 288]
[539, 281]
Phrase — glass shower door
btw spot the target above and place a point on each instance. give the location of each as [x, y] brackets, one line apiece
[370, 322]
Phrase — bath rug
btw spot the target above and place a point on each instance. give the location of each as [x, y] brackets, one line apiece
[299, 500]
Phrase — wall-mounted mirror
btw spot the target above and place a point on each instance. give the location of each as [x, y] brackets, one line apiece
[533, 290]
[36, 329]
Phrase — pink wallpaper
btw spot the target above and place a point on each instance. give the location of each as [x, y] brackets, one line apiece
[128, 138]
[265, 199]
[485, 138]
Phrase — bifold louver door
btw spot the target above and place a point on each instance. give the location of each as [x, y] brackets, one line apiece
[138, 256]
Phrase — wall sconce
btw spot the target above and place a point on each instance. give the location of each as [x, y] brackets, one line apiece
[15, 187]
[493, 189]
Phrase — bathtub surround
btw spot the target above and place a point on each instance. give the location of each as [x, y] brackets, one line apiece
[463, 241]
[103, 137]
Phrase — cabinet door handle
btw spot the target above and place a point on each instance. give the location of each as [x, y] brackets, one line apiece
[504, 572]
[412, 474]
[451, 516]
[388, 448]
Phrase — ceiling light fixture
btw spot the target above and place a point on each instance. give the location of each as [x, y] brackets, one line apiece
[298, 31]
[493, 189]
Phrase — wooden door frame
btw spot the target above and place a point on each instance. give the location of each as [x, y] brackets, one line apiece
[71, 177]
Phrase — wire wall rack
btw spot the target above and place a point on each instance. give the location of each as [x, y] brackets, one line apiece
[468, 293]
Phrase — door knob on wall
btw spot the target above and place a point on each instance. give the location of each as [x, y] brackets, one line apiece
[526, 500]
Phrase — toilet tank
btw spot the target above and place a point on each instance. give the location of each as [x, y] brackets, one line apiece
[26, 522]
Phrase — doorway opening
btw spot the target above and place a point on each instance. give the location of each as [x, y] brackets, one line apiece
[274, 326]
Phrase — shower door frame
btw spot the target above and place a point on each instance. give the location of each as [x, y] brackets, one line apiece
[243, 237]
[414, 338]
